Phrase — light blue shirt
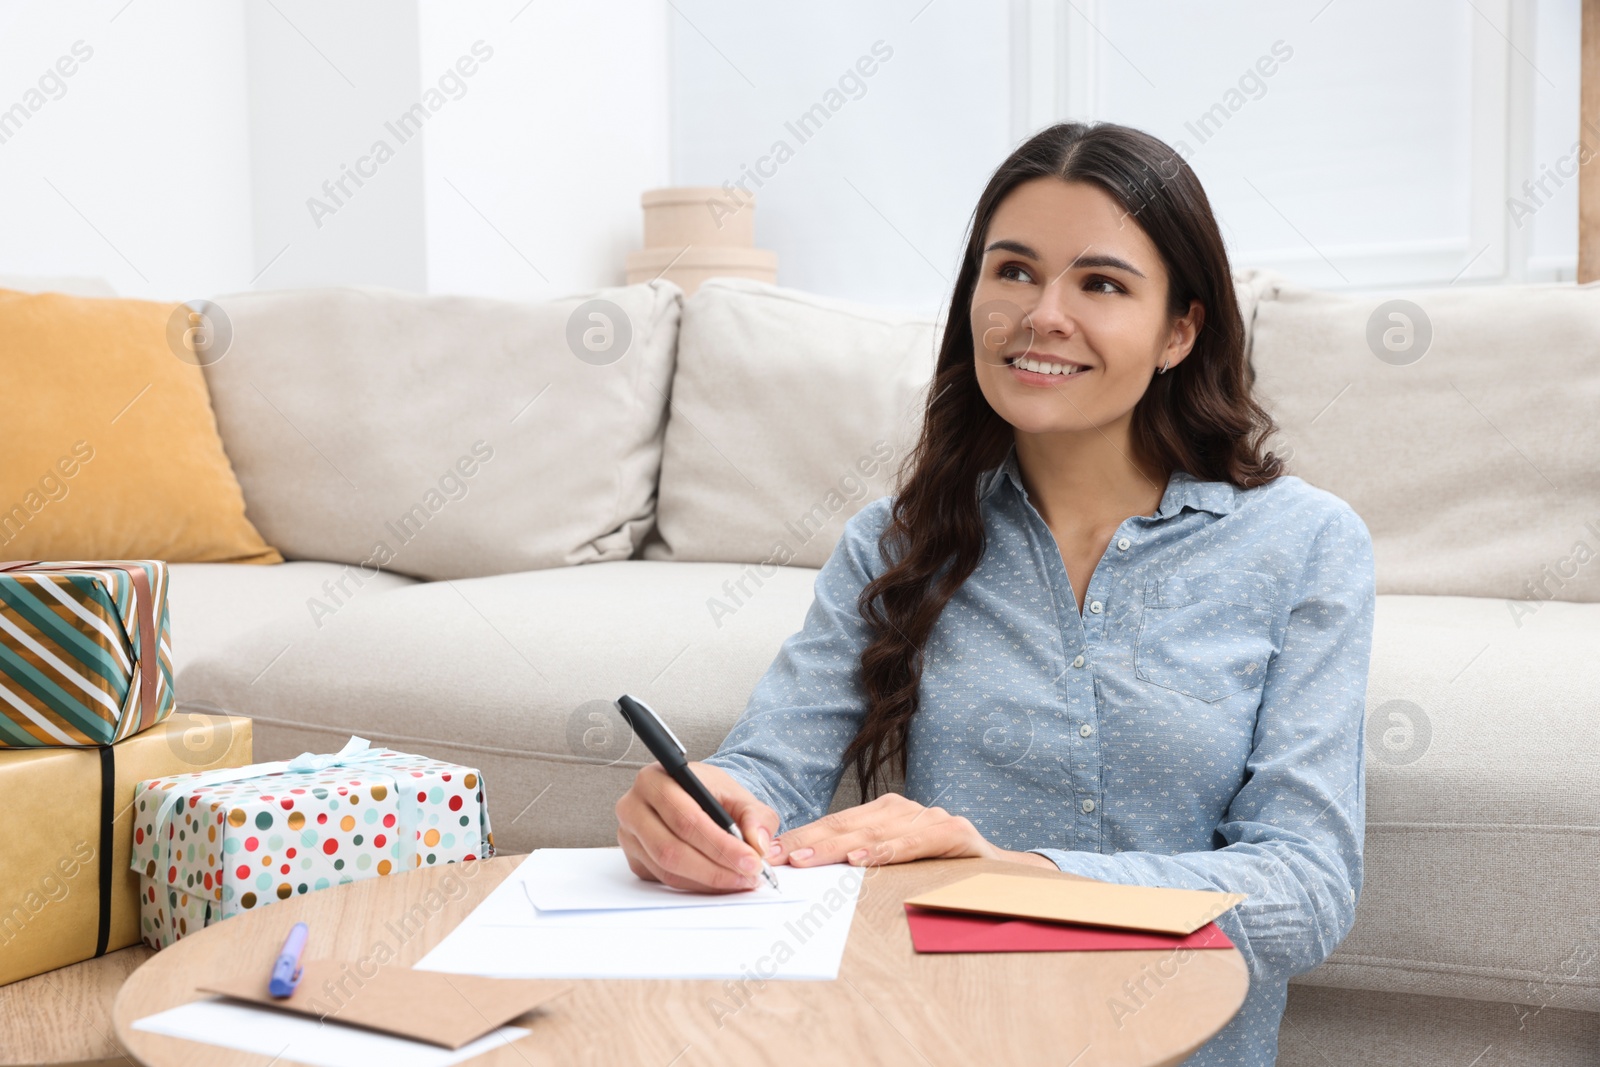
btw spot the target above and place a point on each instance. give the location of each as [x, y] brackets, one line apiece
[1200, 725]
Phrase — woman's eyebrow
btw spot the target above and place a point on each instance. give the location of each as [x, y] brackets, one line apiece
[1086, 260]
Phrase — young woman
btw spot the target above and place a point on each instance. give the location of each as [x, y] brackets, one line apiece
[1096, 628]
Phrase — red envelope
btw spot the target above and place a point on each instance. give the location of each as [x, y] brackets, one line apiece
[947, 931]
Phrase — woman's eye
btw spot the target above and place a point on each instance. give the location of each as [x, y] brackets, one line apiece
[1094, 283]
[1006, 272]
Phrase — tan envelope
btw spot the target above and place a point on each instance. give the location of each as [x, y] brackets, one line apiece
[1125, 907]
[442, 1009]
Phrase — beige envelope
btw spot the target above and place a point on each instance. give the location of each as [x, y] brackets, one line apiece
[441, 1009]
[1125, 907]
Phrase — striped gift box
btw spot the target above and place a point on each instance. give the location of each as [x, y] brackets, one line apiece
[82, 662]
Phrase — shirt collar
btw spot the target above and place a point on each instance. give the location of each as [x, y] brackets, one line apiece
[1183, 489]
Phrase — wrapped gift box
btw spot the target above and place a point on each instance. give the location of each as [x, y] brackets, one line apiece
[66, 891]
[209, 846]
[84, 652]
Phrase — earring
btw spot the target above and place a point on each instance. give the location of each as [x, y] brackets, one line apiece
[1165, 365]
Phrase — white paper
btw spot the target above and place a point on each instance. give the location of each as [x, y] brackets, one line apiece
[300, 1039]
[599, 879]
[802, 936]
[508, 904]
[709, 918]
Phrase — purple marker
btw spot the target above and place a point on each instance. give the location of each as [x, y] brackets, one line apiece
[286, 972]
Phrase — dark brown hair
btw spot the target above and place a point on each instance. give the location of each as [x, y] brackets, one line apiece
[1198, 417]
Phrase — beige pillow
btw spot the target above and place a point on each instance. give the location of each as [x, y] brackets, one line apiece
[789, 413]
[448, 436]
[1470, 449]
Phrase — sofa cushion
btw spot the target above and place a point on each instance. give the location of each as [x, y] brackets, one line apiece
[1470, 449]
[1482, 854]
[448, 436]
[789, 413]
[1325, 1027]
[213, 603]
[515, 675]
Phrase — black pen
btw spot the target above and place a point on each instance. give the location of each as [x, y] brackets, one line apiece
[665, 746]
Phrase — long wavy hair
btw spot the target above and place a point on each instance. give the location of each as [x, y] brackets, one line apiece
[1198, 417]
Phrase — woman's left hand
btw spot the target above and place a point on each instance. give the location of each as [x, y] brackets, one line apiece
[891, 829]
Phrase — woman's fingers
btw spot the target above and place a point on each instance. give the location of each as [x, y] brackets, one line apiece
[759, 837]
[835, 849]
[678, 863]
[685, 818]
[638, 861]
[668, 835]
[758, 823]
[885, 809]
[896, 830]
[903, 849]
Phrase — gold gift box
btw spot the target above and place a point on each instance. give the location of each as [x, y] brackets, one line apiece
[66, 891]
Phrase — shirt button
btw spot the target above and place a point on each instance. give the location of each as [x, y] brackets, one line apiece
[1087, 806]
[1085, 730]
[1078, 662]
[1123, 543]
[1094, 606]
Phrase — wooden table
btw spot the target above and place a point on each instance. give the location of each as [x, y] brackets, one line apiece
[889, 1005]
[63, 1017]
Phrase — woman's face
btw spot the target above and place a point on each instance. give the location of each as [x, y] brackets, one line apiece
[1071, 280]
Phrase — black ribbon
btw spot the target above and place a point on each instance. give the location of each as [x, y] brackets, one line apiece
[108, 786]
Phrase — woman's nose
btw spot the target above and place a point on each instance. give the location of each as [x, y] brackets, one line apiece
[1054, 314]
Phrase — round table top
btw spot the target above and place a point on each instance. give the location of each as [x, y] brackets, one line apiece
[889, 1004]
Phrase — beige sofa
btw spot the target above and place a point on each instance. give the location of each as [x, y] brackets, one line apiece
[664, 476]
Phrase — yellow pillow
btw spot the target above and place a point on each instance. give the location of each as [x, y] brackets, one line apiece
[110, 447]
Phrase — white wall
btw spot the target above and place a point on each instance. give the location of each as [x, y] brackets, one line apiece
[533, 177]
[1338, 172]
[874, 205]
[337, 181]
[140, 171]
[180, 157]
[198, 134]
[1381, 153]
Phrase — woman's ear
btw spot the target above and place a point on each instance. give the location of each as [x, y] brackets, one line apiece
[1185, 332]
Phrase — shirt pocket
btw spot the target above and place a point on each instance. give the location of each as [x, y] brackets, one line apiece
[1209, 636]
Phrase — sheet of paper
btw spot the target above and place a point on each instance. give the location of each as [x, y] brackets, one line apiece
[510, 904]
[710, 918]
[802, 938]
[598, 879]
[1127, 907]
[297, 1039]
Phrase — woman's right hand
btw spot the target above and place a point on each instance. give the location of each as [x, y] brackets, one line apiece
[668, 839]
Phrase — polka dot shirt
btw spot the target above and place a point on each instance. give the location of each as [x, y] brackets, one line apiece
[1199, 725]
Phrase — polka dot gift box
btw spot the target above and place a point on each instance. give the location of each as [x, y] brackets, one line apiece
[210, 845]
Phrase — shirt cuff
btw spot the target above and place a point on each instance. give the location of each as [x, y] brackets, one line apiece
[1088, 864]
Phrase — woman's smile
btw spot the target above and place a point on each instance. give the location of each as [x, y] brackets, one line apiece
[1040, 371]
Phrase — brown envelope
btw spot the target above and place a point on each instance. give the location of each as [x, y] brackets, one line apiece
[1125, 907]
[442, 1009]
